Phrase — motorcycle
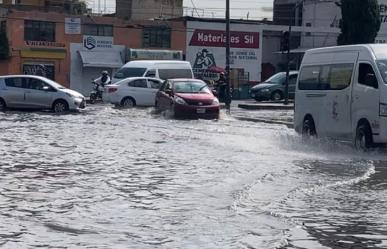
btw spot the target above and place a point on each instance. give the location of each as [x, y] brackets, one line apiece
[97, 92]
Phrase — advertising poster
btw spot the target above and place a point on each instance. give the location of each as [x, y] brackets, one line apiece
[206, 48]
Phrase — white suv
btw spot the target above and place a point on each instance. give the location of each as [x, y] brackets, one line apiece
[35, 92]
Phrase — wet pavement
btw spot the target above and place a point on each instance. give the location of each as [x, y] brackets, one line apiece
[111, 178]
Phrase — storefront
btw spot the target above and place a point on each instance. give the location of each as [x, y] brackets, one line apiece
[206, 42]
[43, 58]
[90, 58]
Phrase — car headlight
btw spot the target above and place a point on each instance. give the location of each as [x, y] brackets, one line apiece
[180, 101]
[265, 90]
[215, 101]
[383, 110]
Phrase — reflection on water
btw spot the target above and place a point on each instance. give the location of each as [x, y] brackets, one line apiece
[111, 178]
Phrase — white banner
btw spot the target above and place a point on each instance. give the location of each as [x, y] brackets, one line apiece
[72, 26]
[92, 43]
[382, 35]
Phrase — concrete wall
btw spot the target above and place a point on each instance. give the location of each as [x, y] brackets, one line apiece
[148, 9]
[81, 77]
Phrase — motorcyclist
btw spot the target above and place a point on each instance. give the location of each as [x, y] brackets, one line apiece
[104, 79]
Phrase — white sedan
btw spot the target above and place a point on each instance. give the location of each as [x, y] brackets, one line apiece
[130, 92]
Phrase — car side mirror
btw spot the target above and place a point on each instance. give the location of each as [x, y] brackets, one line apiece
[370, 80]
[169, 92]
[214, 92]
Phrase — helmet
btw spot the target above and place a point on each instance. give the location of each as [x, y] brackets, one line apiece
[105, 73]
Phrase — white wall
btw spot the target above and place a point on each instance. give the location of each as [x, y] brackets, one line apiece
[81, 77]
[327, 14]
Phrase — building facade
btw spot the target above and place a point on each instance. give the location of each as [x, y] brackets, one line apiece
[148, 9]
[73, 49]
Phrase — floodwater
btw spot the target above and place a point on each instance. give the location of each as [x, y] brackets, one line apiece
[109, 178]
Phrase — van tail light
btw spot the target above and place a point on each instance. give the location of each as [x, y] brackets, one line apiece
[112, 89]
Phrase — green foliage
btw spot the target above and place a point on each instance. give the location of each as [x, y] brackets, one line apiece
[4, 46]
[360, 21]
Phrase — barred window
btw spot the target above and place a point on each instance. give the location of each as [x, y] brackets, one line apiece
[156, 37]
[98, 30]
[39, 31]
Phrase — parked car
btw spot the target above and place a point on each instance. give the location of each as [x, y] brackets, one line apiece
[35, 92]
[130, 92]
[187, 98]
[274, 87]
[154, 69]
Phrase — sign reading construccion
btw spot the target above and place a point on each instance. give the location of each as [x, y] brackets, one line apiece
[97, 42]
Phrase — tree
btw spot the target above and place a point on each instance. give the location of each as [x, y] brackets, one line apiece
[360, 21]
[4, 46]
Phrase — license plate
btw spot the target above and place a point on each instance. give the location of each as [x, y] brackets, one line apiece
[200, 110]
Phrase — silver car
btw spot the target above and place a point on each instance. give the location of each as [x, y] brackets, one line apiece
[35, 92]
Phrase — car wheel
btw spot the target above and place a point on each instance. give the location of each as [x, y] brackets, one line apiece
[308, 128]
[363, 138]
[276, 96]
[93, 97]
[128, 102]
[3, 105]
[60, 106]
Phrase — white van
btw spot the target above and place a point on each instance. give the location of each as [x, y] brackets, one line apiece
[154, 69]
[341, 93]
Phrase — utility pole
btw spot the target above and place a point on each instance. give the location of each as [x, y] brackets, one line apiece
[228, 43]
[286, 101]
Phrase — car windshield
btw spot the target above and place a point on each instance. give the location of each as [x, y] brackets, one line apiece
[128, 72]
[382, 66]
[191, 87]
[278, 78]
[54, 84]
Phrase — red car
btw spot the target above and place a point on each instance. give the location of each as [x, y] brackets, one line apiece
[187, 98]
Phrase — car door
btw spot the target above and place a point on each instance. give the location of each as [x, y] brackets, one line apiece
[154, 86]
[366, 96]
[337, 117]
[39, 94]
[139, 91]
[163, 98]
[14, 91]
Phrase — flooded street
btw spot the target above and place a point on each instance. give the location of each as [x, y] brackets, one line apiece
[110, 178]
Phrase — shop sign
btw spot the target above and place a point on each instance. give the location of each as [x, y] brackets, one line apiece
[97, 42]
[206, 48]
[146, 54]
[45, 44]
[73, 26]
[217, 38]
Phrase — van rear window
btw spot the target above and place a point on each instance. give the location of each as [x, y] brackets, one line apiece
[128, 72]
[325, 77]
[175, 73]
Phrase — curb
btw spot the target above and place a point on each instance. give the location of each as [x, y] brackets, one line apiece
[265, 107]
[267, 121]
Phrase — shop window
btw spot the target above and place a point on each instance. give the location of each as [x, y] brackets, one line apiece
[98, 30]
[45, 70]
[156, 37]
[39, 31]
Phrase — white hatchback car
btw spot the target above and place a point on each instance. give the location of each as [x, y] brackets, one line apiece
[35, 92]
[130, 92]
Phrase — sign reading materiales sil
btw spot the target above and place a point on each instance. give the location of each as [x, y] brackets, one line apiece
[206, 47]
